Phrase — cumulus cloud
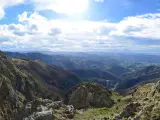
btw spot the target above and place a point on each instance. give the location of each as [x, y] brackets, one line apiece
[4, 39]
[69, 7]
[8, 3]
[36, 32]
[55, 31]
[143, 26]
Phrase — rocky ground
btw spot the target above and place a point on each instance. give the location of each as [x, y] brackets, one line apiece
[142, 104]
[26, 95]
[22, 81]
[45, 109]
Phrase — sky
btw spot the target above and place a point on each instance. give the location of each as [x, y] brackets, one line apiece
[80, 25]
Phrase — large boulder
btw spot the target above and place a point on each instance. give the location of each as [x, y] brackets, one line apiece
[89, 95]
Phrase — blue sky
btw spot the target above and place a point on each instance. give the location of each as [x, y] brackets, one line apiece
[80, 25]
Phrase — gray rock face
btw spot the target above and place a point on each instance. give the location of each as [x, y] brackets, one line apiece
[10, 100]
[44, 115]
[158, 86]
[24, 80]
[90, 94]
[79, 97]
[44, 109]
[144, 105]
[130, 110]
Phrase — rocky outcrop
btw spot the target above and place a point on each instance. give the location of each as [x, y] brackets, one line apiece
[129, 110]
[44, 109]
[145, 103]
[150, 106]
[89, 95]
[25, 80]
[10, 98]
[33, 90]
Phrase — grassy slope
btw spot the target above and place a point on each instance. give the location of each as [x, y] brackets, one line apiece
[25, 80]
[101, 113]
[146, 95]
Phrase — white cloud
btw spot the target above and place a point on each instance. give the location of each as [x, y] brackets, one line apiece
[1, 13]
[36, 32]
[143, 26]
[8, 3]
[69, 7]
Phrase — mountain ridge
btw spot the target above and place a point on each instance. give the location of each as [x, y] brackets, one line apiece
[23, 80]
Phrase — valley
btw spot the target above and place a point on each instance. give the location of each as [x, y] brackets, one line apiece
[32, 88]
[79, 60]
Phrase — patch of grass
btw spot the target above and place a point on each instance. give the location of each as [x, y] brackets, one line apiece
[116, 97]
[101, 113]
[92, 114]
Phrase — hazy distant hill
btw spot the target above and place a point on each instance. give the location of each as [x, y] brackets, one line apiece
[115, 63]
[134, 78]
[28, 89]
[91, 67]
[94, 75]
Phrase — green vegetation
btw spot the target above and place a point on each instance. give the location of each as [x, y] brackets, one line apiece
[102, 113]
[143, 104]
[24, 80]
[33, 85]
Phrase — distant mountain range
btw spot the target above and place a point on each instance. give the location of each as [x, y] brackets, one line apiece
[34, 90]
[94, 75]
[91, 61]
[135, 78]
[107, 69]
